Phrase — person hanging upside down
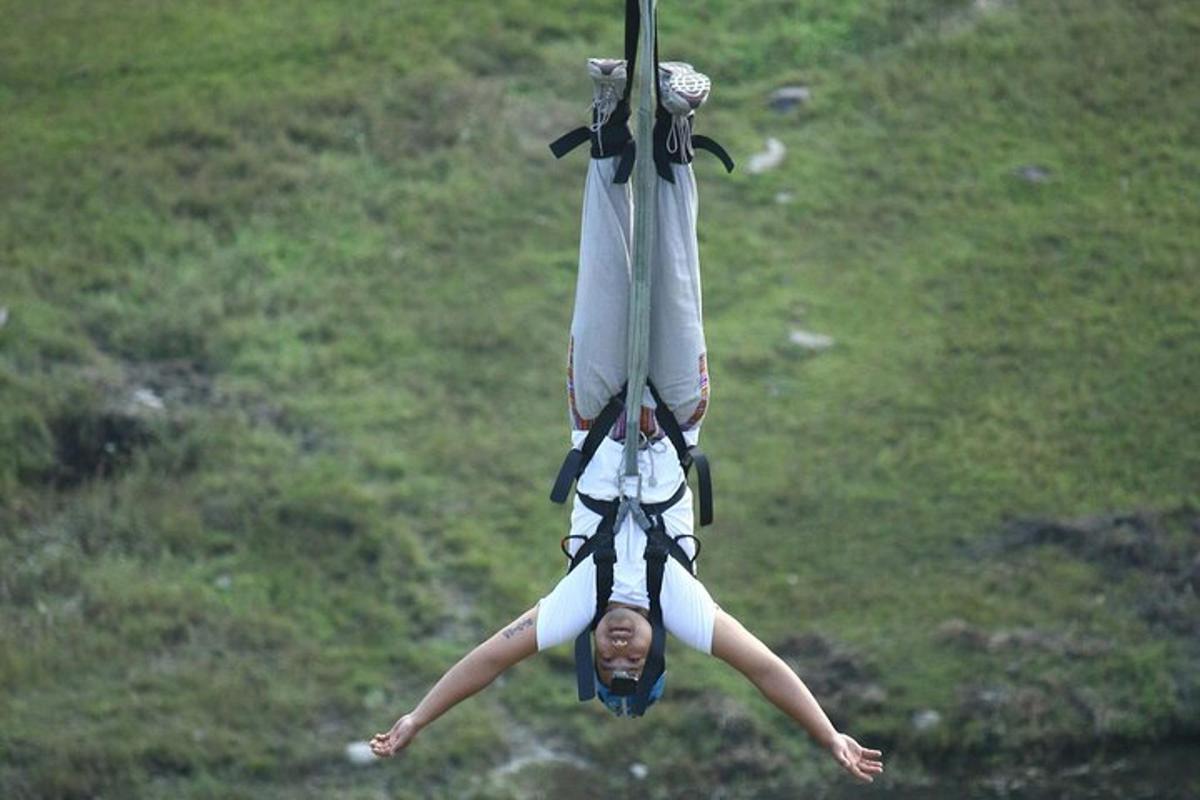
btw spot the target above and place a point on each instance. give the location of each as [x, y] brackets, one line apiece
[626, 674]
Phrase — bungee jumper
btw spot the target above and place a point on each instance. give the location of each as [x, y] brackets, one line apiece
[637, 393]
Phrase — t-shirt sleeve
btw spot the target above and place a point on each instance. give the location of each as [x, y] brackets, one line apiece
[569, 607]
[689, 612]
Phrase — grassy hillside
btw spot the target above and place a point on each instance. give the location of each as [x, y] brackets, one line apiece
[285, 289]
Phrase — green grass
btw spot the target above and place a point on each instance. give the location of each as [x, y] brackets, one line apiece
[335, 245]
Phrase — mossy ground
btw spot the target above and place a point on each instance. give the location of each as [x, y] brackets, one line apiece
[333, 243]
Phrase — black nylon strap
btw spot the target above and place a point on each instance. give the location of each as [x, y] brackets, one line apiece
[567, 473]
[604, 554]
[704, 480]
[577, 459]
[688, 455]
[690, 563]
[670, 426]
[706, 143]
[605, 507]
[625, 166]
[601, 425]
[633, 29]
[656, 661]
[569, 141]
[612, 139]
[662, 158]
[585, 680]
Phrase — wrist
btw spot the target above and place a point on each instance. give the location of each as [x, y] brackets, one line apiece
[828, 737]
[416, 721]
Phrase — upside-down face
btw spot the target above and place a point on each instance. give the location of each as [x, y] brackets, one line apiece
[622, 641]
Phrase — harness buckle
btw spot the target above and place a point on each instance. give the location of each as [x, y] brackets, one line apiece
[631, 487]
[633, 508]
[655, 551]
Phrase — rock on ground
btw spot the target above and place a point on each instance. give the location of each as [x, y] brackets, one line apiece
[768, 159]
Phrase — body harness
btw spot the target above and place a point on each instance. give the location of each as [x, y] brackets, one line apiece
[601, 547]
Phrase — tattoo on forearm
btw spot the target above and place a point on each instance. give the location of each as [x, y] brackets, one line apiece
[518, 627]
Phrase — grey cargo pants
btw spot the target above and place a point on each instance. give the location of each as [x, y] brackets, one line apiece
[596, 367]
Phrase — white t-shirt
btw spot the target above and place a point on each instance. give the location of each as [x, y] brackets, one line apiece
[688, 610]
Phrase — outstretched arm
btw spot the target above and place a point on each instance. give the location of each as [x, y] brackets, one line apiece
[743, 651]
[477, 669]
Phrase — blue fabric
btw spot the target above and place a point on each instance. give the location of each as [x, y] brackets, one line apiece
[622, 705]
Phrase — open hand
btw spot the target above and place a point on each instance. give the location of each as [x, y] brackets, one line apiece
[385, 745]
[860, 762]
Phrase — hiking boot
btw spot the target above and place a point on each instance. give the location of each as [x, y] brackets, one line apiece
[681, 89]
[608, 87]
[608, 130]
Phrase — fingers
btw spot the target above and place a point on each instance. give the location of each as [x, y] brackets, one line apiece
[859, 774]
[382, 745]
[874, 754]
[863, 769]
[850, 766]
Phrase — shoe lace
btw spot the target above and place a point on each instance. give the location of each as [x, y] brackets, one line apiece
[604, 103]
[679, 138]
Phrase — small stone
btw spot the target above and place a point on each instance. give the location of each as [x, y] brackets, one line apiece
[926, 720]
[639, 770]
[786, 98]
[359, 754]
[810, 341]
[374, 699]
[872, 696]
[3, 315]
[989, 698]
[960, 632]
[768, 159]
[1079, 771]
[792, 580]
[783, 198]
[147, 399]
[1022, 639]
[1033, 173]
[223, 582]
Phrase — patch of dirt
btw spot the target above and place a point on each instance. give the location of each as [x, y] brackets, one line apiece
[1161, 547]
[745, 753]
[960, 632]
[126, 412]
[843, 680]
[189, 138]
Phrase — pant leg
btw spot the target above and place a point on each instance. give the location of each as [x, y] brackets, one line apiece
[678, 358]
[596, 367]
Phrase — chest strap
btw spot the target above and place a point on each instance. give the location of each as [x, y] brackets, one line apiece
[658, 546]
